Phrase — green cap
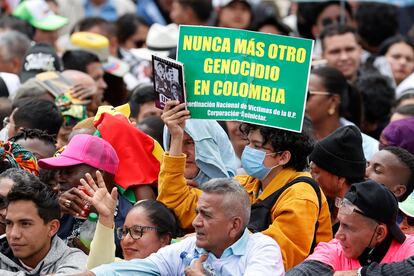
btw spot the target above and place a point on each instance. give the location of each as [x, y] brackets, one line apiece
[93, 217]
[38, 14]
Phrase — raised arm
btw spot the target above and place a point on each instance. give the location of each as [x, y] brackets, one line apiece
[102, 249]
[174, 117]
[173, 190]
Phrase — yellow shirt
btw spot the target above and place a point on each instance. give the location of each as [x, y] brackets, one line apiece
[174, 192]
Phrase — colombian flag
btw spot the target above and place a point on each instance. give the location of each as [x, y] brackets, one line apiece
[139, 154]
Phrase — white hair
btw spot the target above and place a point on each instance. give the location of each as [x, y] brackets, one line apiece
[236, 200]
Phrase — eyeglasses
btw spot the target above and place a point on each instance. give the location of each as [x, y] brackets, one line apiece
[328, 21]
[401, 216]
[135, 231]
[346, 207]
[275, 153]
[321, 93]
[139, 43]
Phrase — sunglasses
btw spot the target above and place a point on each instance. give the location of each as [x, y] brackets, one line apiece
[139, 43]
[401, 216]
[346, 207]
[135, 231]
[329, 21]
[320, 93]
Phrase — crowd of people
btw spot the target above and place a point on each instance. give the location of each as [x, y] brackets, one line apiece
[181, 196]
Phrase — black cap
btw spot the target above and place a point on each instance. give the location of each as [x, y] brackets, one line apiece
[341, 153]
[378, 203]
[39, 58]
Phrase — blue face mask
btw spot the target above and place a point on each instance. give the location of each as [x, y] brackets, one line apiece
[252, 162]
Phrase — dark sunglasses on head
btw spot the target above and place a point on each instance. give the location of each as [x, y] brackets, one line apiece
[401, 216]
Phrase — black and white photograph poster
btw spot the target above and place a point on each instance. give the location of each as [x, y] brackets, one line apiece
[168, 80]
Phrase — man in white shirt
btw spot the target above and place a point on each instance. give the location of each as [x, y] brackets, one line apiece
[222, 244]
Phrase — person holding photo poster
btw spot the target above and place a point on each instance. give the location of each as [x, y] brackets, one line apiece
[278, 186]
[261, 80]
[208, 150]
[168, 80]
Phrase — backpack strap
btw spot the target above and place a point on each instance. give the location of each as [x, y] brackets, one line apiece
[271, 200]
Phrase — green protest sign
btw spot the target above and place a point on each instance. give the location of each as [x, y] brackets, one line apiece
[245, 76]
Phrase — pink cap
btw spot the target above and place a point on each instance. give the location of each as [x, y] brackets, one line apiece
[85, 149]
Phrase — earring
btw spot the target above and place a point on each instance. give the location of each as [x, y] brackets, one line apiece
[331, 110]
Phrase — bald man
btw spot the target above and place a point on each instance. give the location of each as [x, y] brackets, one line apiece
[84, 88]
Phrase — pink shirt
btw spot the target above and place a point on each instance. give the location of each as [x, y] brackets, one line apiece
[331, 254]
